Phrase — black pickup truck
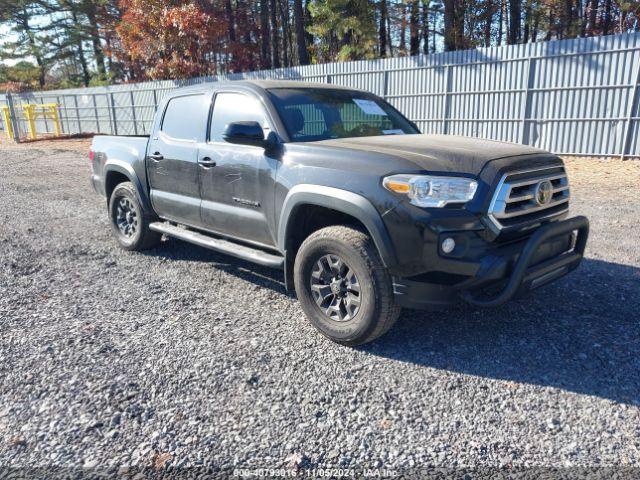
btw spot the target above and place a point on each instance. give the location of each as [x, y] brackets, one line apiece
[364, 214]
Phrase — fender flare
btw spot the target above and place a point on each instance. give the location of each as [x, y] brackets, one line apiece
[342, 201]
[127, 170]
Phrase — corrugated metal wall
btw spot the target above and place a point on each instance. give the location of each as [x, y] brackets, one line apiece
[572, 96]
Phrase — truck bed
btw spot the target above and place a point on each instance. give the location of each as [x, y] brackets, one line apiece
[126, 153]
[103, 143]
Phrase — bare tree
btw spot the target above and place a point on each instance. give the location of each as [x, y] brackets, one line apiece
[275, 37]
[382, 29]
[298, 15]
[88, 7]
[515, 18]
[265, 54]
[403, 28]
[606, 18]
[425, 26]
[449, 25]
[414, 28]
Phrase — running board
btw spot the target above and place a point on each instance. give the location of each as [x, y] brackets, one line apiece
[219, 245]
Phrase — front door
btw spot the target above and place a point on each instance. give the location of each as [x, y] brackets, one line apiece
[172, 159]
[236, 181]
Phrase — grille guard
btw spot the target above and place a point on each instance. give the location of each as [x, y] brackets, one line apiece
[525, 277]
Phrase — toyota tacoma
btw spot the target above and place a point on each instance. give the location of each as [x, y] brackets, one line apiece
[333, 185]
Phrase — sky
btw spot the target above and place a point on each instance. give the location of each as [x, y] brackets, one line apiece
[5, 34]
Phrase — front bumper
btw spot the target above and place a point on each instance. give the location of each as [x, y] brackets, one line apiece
[554, 250]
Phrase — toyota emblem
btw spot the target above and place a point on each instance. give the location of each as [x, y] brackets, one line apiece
[544, 193]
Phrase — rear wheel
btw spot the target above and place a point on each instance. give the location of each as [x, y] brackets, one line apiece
[129, 221]
[343, 286]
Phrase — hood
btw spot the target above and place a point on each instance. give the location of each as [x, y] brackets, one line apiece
[438, 153]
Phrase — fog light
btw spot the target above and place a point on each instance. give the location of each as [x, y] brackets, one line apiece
[448, 244]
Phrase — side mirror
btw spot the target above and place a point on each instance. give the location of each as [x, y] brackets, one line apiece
[244, 133]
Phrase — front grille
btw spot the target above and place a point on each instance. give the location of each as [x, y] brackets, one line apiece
[514, 202]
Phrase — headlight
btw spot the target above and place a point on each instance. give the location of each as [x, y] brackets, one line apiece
[430, 191]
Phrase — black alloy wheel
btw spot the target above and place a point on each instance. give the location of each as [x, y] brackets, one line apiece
[130, 221]
[343, 286]
[126, 217]
[335, 288]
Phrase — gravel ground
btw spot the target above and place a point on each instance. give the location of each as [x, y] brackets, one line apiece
[183, 357]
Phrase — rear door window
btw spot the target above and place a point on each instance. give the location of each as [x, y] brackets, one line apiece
[183, 117]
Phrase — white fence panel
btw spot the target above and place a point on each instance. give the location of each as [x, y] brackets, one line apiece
[578, 96]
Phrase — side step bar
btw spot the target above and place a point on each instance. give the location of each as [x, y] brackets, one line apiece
[224, 246]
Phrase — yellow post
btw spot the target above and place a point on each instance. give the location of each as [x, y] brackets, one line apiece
[56, 119]
[46, 110]
[6, 117]
[30, 114]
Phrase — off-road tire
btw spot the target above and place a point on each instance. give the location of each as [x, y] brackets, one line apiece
[377, 312]
[142, 238]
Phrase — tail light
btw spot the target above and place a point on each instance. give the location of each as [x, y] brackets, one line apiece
[91, 155]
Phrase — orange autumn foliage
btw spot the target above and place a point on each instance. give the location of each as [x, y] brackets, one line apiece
[170, 40]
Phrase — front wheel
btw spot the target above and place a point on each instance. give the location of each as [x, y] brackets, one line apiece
[129, 221]
[343, 286]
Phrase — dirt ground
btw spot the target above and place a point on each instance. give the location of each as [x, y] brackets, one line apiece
[182, 357]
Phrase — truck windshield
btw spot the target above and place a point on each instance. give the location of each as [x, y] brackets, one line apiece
[312, 114]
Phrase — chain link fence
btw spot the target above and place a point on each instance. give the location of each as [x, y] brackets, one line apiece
[573, 97]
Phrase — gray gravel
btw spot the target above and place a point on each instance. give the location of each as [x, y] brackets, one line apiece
[183, 357]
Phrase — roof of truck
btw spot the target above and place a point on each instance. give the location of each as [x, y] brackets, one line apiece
[262, 84]
[266, 84]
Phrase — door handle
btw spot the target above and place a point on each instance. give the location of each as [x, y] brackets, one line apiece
[156, 157]
[207, 162]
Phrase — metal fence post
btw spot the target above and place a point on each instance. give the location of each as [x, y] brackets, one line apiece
[63, 106]
[95, 111]
[526, 104]
[155, 108]
[133, 113]
[634, 101]
[75, 103]
[46, 124]
[385, 84]
[113, 113]
[106, 100]
[446, 114]
[14, 119]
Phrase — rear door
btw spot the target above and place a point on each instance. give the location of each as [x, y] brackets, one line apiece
[172, 159]
[236, 181]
